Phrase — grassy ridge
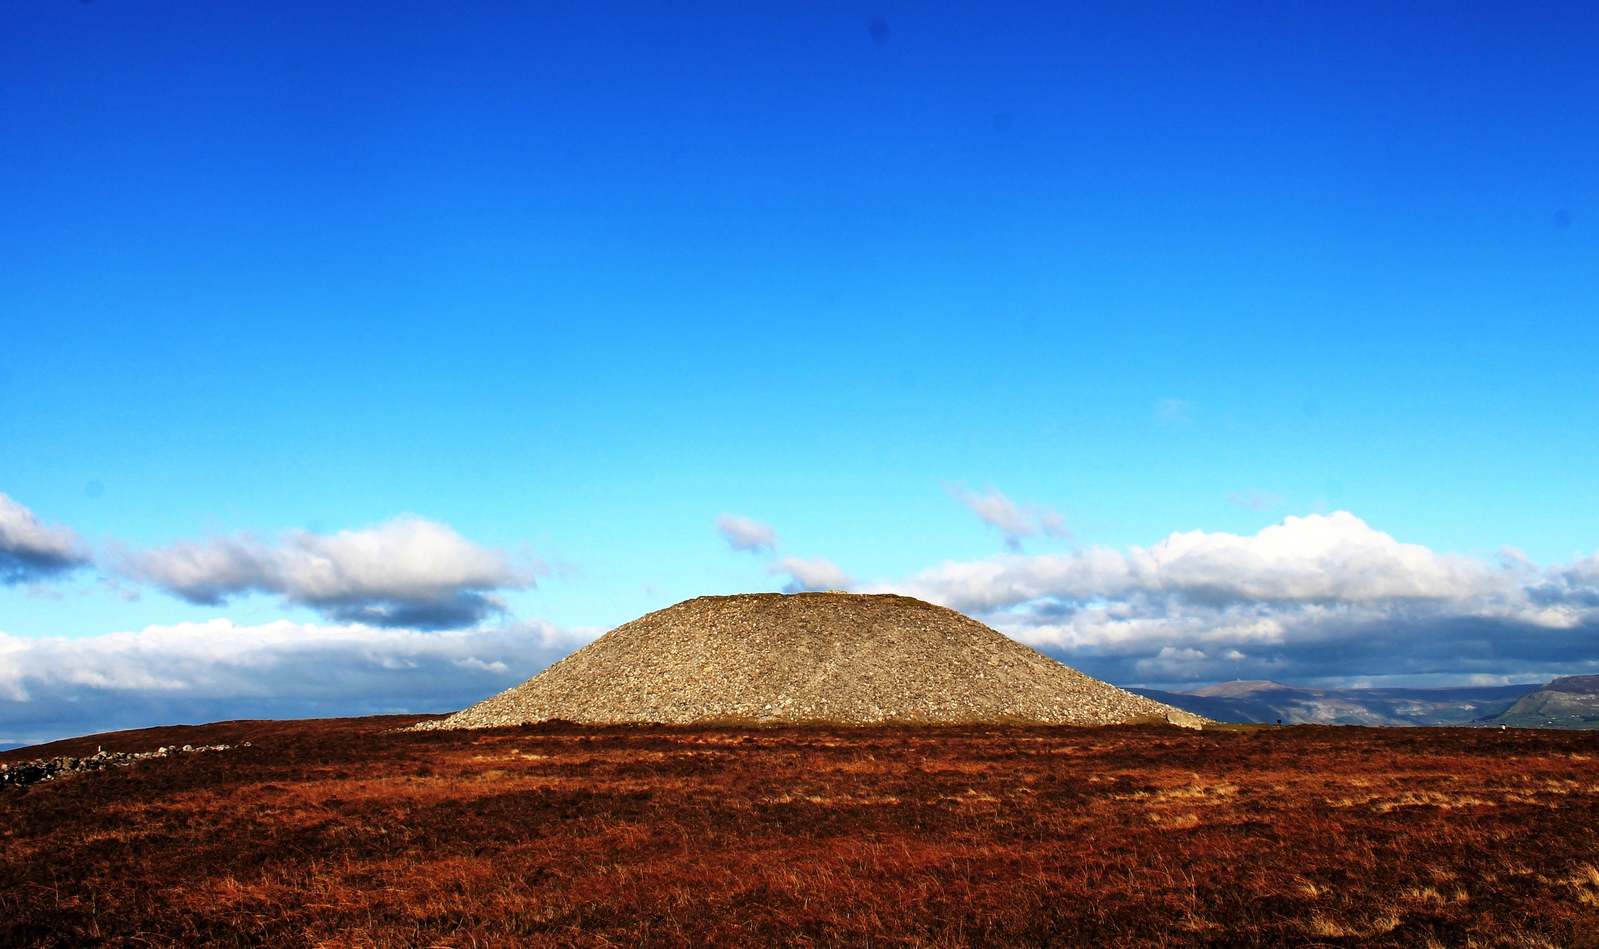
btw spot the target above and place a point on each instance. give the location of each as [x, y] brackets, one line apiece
[1567, 702]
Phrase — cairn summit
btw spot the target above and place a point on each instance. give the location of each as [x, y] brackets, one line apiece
[836, 658]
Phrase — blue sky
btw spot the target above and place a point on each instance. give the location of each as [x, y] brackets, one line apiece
[576, 279]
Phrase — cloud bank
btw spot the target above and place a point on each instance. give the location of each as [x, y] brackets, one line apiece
[1311, 598]
[196, 672]
[1322, 599]
[30, 550]
[407, 573]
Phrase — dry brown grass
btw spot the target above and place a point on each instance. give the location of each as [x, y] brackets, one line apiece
[344, 834]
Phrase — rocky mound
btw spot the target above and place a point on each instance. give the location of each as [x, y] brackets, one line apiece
[810, 657]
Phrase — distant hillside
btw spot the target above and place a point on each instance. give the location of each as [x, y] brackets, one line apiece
[1567, 702]
[1268, 702]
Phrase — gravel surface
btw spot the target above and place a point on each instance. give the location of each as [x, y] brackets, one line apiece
[810, 657]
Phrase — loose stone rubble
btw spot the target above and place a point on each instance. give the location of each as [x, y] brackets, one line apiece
[811, 657]
[41, 770]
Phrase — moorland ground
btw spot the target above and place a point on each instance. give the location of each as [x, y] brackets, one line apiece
[347, 833]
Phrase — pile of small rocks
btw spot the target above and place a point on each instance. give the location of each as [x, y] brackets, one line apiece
[811, 657]
[41, 770]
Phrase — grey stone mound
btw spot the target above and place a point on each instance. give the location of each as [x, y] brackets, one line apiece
[835, 658]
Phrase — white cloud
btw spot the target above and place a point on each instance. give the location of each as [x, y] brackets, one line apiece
[409, 572]
[219, 670]
[1053, 524]
[1173, 410]
[994, 509]
[746, 534]
[758, 537]
[1253, 500]
[31, 550]
[1010, 519]
[1319, 557]
[817, 573]
[1309, 596]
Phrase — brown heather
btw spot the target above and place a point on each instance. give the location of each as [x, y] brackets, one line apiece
[347, 833]
[812, 657]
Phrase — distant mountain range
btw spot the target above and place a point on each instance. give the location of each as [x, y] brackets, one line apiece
[1569, 702]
